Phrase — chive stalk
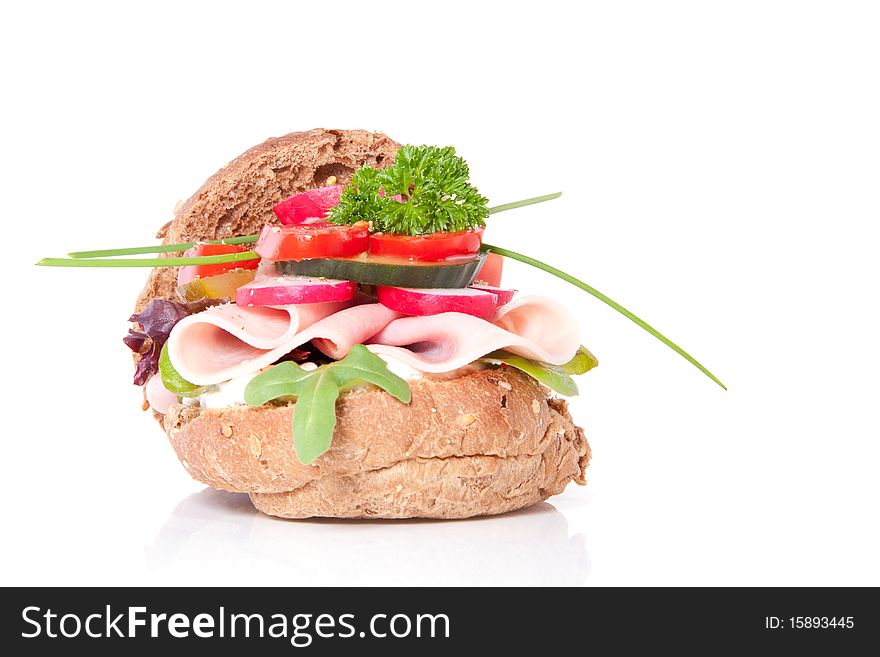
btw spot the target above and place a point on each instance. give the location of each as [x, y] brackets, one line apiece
[148, 262]
[160, 248]
[513, 255]
[524, 202]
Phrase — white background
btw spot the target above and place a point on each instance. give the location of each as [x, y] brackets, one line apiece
[720, 163]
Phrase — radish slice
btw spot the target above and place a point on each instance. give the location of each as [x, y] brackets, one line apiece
[309, 207]
[504, 296]
[278, 290]
[433, 301]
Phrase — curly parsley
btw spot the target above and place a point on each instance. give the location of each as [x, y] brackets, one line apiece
[426, 190]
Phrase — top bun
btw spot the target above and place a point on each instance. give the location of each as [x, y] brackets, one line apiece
[238, 199]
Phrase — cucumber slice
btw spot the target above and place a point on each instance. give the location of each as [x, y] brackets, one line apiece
[419, 275]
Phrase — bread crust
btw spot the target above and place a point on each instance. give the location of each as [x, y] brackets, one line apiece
[488, 442]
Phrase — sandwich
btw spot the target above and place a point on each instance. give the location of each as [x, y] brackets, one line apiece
[325, 329]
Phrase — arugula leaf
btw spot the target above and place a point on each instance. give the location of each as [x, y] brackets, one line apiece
[362, 365]
[316, 392]
[555, 377]
[426, 190]
[172, 379]
[283, 380]
[552, 376]
[314, 416]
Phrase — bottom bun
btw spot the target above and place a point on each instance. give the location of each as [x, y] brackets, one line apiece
[488, 442]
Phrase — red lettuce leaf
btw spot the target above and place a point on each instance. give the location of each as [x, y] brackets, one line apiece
[156, 322]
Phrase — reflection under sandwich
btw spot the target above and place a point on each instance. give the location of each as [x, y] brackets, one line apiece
[212, 530]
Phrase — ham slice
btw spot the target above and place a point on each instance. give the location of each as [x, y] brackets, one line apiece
[546, 323]
[227, 341]
[534, 327]
[337, 334]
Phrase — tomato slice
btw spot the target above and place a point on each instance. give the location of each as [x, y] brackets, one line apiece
[437, 246]
[308, 242]
[190, 272]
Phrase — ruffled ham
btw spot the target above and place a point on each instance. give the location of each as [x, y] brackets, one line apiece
[227, 341]
[336, 335]
[534, 327]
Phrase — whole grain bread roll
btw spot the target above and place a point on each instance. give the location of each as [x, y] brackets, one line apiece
[487, 442]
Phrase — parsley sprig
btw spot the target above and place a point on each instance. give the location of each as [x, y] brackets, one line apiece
[426, 190]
